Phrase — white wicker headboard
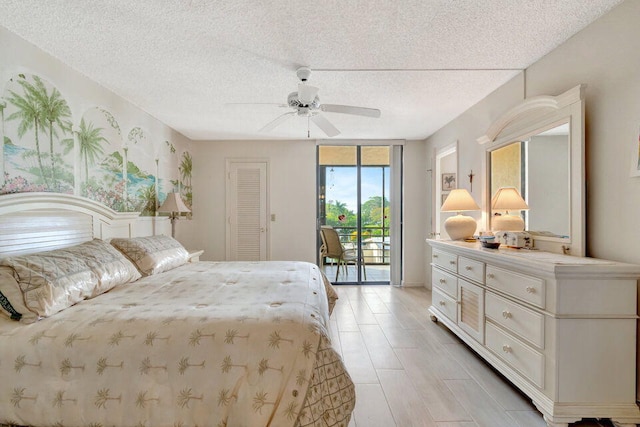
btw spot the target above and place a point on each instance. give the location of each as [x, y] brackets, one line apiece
[35, 222]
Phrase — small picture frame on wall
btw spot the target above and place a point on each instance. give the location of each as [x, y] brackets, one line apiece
[449, 181]
[443, 198]
[635, 158]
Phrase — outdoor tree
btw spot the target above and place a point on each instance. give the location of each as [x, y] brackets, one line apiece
[335, 211]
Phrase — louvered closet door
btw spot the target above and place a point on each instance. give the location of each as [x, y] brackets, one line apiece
[471, 309]
[246, 211]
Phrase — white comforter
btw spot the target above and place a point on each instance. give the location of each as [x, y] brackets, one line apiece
[205, 344]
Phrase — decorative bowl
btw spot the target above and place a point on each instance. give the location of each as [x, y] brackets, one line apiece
[490, 245]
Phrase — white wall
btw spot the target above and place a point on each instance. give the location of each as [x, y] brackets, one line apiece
[292, 198]
[604, 56]
[291, 187]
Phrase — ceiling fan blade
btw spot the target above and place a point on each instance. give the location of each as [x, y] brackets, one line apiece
[276, 122]
[307, 93]
[325, 125]
[348, 109]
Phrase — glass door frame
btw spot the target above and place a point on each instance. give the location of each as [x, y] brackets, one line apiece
[395, 205]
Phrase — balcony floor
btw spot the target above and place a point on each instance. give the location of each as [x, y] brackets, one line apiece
[375, 273]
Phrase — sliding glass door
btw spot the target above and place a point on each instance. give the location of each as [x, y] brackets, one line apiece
[354, 202]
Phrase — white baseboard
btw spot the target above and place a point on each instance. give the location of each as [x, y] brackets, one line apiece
[412, 284]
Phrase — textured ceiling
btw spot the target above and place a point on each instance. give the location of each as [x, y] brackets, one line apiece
[421, 62]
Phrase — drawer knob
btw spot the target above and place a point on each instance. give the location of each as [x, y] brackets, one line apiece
[506, 348]
[506, 314]
[468, 268]
[443, 281]
[452, 262]
[490, 276]
[530, 289]
[442, 303]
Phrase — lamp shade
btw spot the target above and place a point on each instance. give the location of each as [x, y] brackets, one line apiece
[508, 199]
[459, 200]
[173, 203]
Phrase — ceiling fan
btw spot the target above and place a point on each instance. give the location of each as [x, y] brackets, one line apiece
[306, 103]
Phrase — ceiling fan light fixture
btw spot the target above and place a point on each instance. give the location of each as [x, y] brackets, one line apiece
[293, 100]
[307, 93]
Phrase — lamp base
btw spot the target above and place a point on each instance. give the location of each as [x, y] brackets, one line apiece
[507, 223]
[460, 227]
[173, 218]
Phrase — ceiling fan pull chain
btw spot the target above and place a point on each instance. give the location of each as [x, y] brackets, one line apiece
[308, 130]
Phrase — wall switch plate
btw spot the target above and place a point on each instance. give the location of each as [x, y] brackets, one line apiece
[273, 217]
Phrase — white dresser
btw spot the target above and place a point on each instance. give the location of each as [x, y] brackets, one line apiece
[561, 328]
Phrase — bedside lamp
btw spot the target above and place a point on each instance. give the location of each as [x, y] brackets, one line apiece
[460, 226]
[175, 206]
[507, 199]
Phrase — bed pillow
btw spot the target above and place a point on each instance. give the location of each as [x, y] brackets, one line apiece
[153, 254]
[54, 280]
[11, 299]
[109, 265]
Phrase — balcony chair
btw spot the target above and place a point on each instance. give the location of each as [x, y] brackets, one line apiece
[333, 248]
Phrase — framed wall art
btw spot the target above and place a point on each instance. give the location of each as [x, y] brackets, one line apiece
[443, 198]
[449, 181]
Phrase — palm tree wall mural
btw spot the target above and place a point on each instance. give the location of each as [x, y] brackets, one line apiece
[3, 105]
[140, 172]
[40, 113]
[90, 139]
[41, 152]
[55, 117]
[101, 155]
[186, 168]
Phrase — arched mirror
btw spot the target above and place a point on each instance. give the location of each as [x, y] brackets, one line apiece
[537, 147]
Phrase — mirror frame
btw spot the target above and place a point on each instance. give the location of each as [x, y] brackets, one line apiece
[529, 118]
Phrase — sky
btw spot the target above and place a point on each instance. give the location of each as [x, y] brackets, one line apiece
[341, 185]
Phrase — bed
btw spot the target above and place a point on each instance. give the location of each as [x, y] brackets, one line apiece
[149, 339]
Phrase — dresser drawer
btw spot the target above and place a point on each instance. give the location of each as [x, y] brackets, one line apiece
[446, 282]
[526, 323]
[524, 359]
[471, 269]
[445, 260]
[445, 304]
[527, 288]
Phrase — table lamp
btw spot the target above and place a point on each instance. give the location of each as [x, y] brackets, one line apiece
[175, 206]
[460, 226]
[507, 199]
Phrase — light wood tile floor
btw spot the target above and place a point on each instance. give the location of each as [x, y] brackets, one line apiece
[410, 371]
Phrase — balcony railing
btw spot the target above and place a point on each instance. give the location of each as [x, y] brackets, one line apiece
[376, 247]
